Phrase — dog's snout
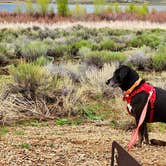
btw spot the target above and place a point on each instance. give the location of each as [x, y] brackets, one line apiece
[107, 82]
[111, 83]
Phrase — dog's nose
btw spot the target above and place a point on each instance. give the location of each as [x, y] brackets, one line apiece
[107, 82]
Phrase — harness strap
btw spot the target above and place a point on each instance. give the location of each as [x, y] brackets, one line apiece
[146, 88]
[141, 120]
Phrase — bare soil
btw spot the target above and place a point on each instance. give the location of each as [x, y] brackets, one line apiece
[83, 145]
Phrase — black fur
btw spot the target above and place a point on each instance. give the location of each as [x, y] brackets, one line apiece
[124, 77]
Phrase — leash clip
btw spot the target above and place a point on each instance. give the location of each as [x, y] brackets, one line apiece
[150, 93]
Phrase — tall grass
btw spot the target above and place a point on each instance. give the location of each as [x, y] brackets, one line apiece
[99, 6]
[43, 6]
[131, 8]
[33, 50]
[143, 10]
[17, 8]
[159, 58]
[78, 11]
[62, 6]
[117, 8]
[29, 7]
[29, 75]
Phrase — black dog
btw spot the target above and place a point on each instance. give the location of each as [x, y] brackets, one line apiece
[125, 77]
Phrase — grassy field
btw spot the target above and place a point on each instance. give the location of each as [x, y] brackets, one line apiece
[55, 106]
[60, 69]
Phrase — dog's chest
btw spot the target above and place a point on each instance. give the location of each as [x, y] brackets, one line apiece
[129, 107]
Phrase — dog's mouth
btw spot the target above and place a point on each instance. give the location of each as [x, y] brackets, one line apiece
[114, 85]
[111, 83]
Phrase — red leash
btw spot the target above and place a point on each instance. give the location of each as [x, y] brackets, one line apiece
[141, 120]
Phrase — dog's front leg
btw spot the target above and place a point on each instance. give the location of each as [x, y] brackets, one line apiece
[140, 136]
[140, 133]
[146, 136]
[143, 133]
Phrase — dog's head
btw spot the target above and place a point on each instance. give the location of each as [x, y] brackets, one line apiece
[124, 77]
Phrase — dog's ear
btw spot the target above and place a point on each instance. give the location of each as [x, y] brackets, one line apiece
[123, 72]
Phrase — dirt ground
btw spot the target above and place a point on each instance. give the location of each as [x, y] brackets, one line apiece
[83, 145]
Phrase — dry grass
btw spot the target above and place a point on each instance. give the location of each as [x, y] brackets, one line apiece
[157, 79]
[66, 94]
[136, 25]
[94, 79]
[69, 94]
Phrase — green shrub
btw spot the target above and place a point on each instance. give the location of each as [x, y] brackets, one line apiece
[78, 11]
[62, 6]
[159, 59]
[51, 10]
[17, 8]
[63, 121]
[41, 61]
[25, 146]
[140, 59]
[131, 8]
[91, 112]
[43, 6]
[30, 76]
[76, 46]
[3, 131]
[117, 8]
[108, 45]
[29, 7]
[3, 60]
[3, 49]
[150, 40]
[58, 51]
[109, 8]
[106, 56]
[99, 6]
[143, 10]
[83, 51]
[33, 50]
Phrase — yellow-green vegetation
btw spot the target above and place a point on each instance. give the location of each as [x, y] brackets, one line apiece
[99, 6]
[43, 6]
[62, 6]
[19, 132]
[159, 58]
[29, 7]
[3, 131]
[59, 74]
[25, 146]
[141, 10]
[78, 11]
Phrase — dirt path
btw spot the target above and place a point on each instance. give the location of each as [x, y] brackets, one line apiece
[84, 145]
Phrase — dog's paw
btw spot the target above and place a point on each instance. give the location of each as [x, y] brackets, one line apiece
[156, 142]
[146, 142]
[138, 145]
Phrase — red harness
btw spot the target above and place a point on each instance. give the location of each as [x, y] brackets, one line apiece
[147, 88]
